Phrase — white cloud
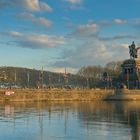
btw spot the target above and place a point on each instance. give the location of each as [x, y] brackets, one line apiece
[45, 7]
[35, 41]
[89, 53]
[94, 52]
[121, 47]
[31, 5]
[62, 70]
[37, 20]
[87, 30]
[75, 4]
[44, 41]
[15, 34]
[74, 1]
[120, 21]
[93, 49]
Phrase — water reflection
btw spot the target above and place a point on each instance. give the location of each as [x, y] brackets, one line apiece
[70, 120]
[131, 114]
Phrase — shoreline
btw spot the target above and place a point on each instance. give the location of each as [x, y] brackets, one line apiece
[35, 95]
[24, 95]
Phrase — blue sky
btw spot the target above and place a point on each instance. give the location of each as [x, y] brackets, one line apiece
[67, 33]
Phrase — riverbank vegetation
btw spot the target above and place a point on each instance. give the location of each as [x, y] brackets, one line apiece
[86, 77]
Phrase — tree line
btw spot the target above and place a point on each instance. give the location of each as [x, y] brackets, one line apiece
[99, 76]
[86, 77]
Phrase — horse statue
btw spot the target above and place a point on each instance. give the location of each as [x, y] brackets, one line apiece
[133, 51]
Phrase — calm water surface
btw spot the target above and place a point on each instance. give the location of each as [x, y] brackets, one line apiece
[70, 121]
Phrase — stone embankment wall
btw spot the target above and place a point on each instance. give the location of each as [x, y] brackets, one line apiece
[56, 95]
[126, 94]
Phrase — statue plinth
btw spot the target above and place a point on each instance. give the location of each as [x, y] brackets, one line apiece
[131, 72]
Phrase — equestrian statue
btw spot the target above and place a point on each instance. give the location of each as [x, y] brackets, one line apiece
[133, 51]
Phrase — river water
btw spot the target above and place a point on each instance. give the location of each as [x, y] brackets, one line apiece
[70, 121]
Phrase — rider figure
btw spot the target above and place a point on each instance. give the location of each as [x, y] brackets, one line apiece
[133, 50]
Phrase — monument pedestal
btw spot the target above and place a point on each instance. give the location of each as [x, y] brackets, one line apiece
[130, 74]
